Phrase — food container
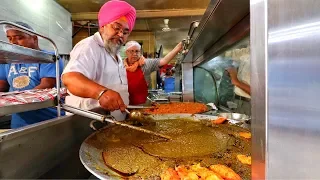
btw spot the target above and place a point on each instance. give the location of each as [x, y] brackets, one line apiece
[235, 116]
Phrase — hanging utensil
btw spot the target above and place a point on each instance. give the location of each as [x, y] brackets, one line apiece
[102, 118]
[140, 107]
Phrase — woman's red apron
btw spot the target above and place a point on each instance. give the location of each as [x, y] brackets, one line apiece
[137, 86]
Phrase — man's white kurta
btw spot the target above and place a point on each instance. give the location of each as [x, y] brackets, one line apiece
[90, 58]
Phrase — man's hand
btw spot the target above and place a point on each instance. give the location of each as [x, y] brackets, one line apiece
[179, 46]
[111, 100]
[46, 83]
[233, 75]
[141, 58]
[235, 81]
[4, 86]
[171, 54]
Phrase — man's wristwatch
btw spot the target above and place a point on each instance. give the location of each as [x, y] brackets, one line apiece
[101, 93]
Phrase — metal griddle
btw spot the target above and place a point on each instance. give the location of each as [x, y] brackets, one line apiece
[91, 157]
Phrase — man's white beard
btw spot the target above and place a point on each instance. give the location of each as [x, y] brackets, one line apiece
[112, 48]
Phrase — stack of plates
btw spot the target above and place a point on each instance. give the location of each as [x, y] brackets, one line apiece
[162, 100]
[175, 96]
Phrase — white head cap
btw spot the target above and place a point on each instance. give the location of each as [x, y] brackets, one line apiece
[10, 27]
[131, 44]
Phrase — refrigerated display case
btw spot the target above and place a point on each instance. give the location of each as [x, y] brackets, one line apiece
[219, 88]
[224, 27]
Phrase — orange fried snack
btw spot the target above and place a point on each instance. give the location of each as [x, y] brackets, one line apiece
[170, 174]
[186, 174]
[225, 172]
[246, 135]
[205, 173]
[220, 120]
[178, 107]
[244, 159]
[196, 172]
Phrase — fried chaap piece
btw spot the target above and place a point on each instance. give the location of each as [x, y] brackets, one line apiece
[246, 135]
[213, 176]
[205, 173]
[244, 159]
[219, 120]
[170, 174]
[196, 172]
[225, 172]
[186, 174]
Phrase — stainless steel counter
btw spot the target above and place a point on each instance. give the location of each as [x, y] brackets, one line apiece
[285, 40]
[49, 149]
[4, 130]
[5, 122]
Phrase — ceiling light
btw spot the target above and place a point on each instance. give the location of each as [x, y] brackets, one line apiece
[166, 26]
[166, 29]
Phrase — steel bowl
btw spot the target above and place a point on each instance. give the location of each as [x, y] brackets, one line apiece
[235, 116]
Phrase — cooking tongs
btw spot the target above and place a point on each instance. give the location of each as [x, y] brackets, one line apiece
[107, 118]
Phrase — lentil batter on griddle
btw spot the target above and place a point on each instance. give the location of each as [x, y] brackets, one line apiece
[145, 156]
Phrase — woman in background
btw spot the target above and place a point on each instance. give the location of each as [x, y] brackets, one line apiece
[139, 70]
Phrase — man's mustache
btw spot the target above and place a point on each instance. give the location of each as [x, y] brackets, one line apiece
[118, 38]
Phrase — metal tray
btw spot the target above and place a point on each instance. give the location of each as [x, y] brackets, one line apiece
[5, 110]
[11, 53]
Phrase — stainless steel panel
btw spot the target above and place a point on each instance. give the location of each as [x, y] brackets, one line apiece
[44, 150]
[258, 28]
[209, 11]
[178, 78]
[187, 82]
[224, 14]
[293, 89]
[285, 38]
[46, 17]
[237, 33]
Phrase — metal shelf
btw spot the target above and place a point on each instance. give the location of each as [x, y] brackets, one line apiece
[26, 107]
[11, 53]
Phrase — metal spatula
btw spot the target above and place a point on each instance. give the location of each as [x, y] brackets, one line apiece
[135, 115]
[102, 118]
[140, 107]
